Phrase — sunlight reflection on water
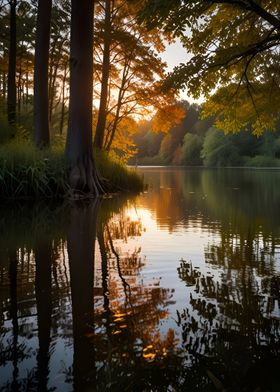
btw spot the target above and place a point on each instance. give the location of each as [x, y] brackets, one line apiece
[146, 293]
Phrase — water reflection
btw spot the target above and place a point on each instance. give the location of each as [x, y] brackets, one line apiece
[174, 290]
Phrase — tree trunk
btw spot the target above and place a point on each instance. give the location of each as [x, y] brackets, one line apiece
[63, 100]
[12, 91]
[41, 97]
[101, 122]
[109, 139]
[110, 135]
[26, 89]
[83, 174]
[52, 88]
[19, 88]
[4, 86]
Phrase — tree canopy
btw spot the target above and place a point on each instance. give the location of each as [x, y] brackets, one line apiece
[235, 63]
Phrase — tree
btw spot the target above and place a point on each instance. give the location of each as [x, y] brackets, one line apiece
[41, 96]
[219, 150]
[59, 62]
[128, 69]
[101, 122]
[83, 174]
[12, 92]
[235, 63]
[26, 22]
[191, 150]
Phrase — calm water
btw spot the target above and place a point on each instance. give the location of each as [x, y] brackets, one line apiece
[177, 289]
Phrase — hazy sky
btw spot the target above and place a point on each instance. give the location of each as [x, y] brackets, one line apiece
[174, 55]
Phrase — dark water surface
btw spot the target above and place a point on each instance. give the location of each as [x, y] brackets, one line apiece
[177, 289]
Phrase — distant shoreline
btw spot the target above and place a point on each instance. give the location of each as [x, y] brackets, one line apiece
[204, 167]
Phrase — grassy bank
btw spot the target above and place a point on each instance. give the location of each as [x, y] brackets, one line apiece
[26, 172]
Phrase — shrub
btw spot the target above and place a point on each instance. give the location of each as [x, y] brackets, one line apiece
[262, 161]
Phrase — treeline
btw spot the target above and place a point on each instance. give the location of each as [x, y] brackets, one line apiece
[196, 142]
[74, 75]
[126, 68]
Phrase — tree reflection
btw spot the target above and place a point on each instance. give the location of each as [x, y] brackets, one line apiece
[26, 267]
[13, 312]
[231, 326]
[210, 198]
[80, 245]
[79, 311]
[130, 349]
[43, 288]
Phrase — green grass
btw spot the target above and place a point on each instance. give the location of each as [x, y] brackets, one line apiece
[26, 172]
[119, 176]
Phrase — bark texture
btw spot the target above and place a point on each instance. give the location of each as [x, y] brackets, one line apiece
[83, 174]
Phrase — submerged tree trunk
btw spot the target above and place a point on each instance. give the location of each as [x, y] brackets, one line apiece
[41, 96]
[101, 122]
[12, 90]
[83, 174]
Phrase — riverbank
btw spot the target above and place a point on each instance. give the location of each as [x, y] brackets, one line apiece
[29, 173]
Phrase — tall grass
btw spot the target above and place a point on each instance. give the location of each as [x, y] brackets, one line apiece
[118, 176]
[26, 172]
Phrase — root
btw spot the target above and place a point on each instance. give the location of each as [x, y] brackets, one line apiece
[85, 181]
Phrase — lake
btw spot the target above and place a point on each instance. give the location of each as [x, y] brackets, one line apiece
[176, 289]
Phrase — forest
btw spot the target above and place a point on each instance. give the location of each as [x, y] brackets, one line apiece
[130, 258]
[84, 90]
[197, 142]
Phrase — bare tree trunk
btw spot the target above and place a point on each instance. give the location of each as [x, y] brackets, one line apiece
[12, 91]
[41, 97]
[83, 174]
[101, 122]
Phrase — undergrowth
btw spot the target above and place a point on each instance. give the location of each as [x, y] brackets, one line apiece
[119, 176]
[26, 172]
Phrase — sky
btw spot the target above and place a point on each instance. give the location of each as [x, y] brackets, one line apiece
[173, 55]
